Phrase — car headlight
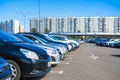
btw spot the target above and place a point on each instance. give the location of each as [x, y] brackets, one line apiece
[50, 51]
[29, 54]
[69, 47]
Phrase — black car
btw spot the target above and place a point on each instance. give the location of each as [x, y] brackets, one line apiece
[5, 71]
[25, 59]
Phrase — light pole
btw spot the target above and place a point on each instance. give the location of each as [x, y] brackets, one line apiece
[39, 15]
[24, 16]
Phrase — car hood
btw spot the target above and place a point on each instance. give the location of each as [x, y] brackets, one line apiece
[31, 47]
[54, 44]
[51, 46]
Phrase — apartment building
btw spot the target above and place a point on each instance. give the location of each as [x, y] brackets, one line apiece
[11, 26]
[96, 24]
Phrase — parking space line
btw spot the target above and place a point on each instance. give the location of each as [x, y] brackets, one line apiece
[64, 63]
[69, 58]
[71, 55]
[57, 72]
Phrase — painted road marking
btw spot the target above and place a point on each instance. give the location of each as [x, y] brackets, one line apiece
[57, 72]
[71, 55]
[93, 56]
[64, 63]
[69, 58]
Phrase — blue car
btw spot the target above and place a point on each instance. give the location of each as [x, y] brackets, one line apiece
[26, 60]
[5, 71]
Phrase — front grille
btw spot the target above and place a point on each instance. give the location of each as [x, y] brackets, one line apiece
[52, 58]
[43, 57]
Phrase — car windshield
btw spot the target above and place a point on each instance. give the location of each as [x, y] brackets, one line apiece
[54, 37]
[43, 40]
[24, 38]
[8, 37]
[48, 37]
[57, 37]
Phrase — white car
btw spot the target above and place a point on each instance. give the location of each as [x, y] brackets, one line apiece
[64, 39]
[112, 41]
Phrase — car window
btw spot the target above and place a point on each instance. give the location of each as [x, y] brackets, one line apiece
[25, 39]
[43, 40]
[33, 39]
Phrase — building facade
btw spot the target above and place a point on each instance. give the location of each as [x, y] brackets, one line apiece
[86, 25]
[21, 28]
[11, 26]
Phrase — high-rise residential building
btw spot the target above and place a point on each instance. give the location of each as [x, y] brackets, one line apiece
[71, 25]
[66, 24]
[87, 27]
[109, 25]
[11, 26]
[21, 28]
[96, 24]
[81, 24]
[116, 24]
[58, 25]
[34, 24]
[118, 27]
[101, 25]
[75, 25]
[54, 25]
[43, 25]
[1, 25]
[6, 26]
[49, 26]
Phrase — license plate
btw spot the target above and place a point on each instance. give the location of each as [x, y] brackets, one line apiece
[49, 64]
[8, 78]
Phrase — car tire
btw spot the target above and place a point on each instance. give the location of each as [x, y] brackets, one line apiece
[16, 71]
[112, 45]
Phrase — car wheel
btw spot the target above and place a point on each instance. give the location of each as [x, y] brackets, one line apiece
[112, 45]
[16, 72]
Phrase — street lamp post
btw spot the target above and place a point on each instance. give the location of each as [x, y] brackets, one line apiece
[39, 15]
[24, 16]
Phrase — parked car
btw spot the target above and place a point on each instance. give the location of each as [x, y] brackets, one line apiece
[117, 44]
[5, 71]
[111, 43]
[80, 41]
[61, 48]
[107, 42]
[52, 52]
[50, 40]
[25, 59]
[64, 39]
[90, 40]
[114, 43]
[101, 42]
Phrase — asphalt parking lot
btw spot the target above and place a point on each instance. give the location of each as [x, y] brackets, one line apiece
[88, 62]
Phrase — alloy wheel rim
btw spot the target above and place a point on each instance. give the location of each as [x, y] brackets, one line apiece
[14, 71]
